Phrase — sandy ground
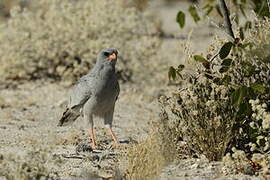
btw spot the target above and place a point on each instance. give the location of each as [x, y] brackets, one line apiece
[29, 114]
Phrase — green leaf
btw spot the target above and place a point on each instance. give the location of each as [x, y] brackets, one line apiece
[180, 18]
[235, 97]
[250, 45]
[192, 10]
[202, 60]
[206, 6]
[243, 2]
[249, 69]
[244, 109]
[236, 20]
[219, 11]
[217, 81]
[239, 95]
[234, 86]
[224, 69]
[242, 35]
[172, 73]
[242, 10]
[227, 79]
[257, 87]
[206, 65]
[226, 62]
[180, 67]
[248, 25]
[199, 58]
[209, 10]
[225, 50]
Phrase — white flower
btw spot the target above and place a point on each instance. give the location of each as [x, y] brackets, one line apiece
[253, 147]
[194, 98]
[195, 113]
[266, 122]
[267, 146]
[257, 101]
[209, 103]
[252, 124]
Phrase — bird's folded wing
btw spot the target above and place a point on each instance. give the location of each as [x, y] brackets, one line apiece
[118, 90]
[80, 93]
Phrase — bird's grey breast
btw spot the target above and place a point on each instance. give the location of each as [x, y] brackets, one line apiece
[99, 88]
[107, 87]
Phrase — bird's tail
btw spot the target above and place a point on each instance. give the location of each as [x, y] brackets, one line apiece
[69, 116]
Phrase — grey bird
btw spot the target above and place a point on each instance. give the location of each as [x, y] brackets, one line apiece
[95, 94]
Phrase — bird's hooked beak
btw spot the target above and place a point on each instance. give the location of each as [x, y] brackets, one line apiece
[113, 56]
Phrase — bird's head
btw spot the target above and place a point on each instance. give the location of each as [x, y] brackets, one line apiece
[107, 56]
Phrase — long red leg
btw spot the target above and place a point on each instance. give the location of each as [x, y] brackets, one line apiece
[113, 136]
[93, 138]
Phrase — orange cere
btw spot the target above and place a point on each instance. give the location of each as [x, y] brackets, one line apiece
[112, 56]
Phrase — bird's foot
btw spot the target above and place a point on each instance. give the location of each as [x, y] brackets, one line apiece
[94, 146]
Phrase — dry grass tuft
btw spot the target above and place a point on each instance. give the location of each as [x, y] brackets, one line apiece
[147, 159]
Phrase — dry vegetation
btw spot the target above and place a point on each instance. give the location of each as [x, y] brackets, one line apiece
[202, 114]
[204, 118]
[61, 40]
[36, 163]
[149, 157]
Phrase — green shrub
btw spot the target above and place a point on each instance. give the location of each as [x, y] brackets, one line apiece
[205, 118]
[60, 39]
[240, 162]
[213, 112]
[260, 125]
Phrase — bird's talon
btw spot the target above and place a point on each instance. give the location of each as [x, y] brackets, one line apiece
[115, 146]
[94, 146]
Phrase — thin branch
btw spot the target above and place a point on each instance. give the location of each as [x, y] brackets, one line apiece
[73, 156]
[212, 58]
[226, 16]
[268, 4]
